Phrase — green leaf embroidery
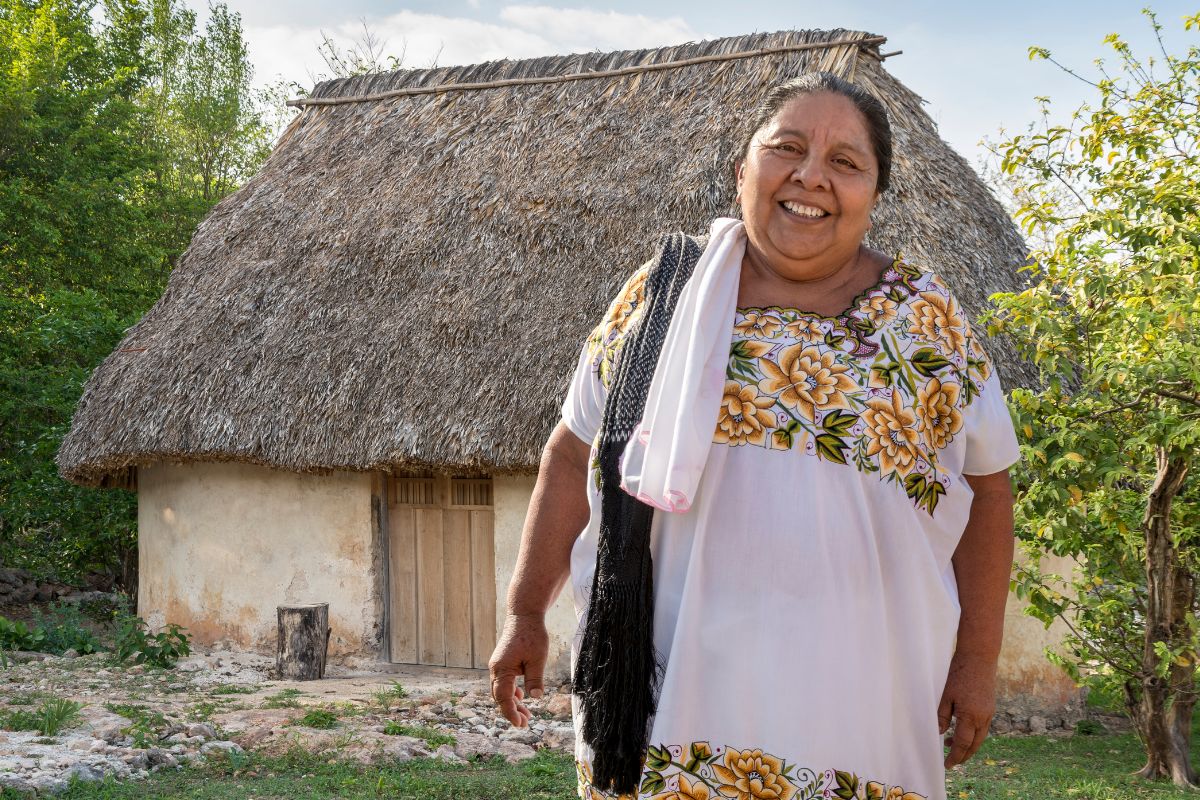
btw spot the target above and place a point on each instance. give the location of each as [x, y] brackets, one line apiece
[847, 785]
[658, 757]
[914, 486]
[882, 375]
[928, 361]
[839, 422]
[834, 339]
[933, 491]
[653, 783]
[784, 437]
[831, 448]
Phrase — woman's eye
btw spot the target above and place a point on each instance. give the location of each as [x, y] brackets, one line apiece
[846, 162]
[787, 148]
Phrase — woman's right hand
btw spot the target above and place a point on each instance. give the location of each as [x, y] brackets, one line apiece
[522, 650]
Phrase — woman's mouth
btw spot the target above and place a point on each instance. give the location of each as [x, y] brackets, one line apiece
[802, 211]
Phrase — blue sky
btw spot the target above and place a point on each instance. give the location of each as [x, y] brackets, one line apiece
[967, 60]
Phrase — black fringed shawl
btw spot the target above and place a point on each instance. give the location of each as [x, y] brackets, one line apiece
[618, 672]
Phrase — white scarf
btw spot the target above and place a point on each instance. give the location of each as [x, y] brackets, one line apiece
[665, 456]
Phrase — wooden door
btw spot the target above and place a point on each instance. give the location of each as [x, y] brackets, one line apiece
[441, 561]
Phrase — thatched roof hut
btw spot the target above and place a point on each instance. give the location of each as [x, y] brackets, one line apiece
[407, 281]
[342, 394]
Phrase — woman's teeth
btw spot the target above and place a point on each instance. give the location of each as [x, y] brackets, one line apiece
[804, 211]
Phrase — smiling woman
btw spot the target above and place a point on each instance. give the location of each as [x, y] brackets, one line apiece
[787, 456]
[787, 453]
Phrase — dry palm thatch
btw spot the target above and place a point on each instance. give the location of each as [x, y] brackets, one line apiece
[408, 280]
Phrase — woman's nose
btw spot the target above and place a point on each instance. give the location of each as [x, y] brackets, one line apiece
[810, 173]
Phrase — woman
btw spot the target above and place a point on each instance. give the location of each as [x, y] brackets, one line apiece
[824, 573]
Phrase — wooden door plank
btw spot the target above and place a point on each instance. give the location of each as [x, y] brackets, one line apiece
[483, 586]
[431, 588]
[402, 569]
[456, 538]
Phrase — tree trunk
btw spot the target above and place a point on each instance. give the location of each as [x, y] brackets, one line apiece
[1163, 713]
[303, 641]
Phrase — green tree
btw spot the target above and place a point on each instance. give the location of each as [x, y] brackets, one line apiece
[1111, 318]
[118, 132]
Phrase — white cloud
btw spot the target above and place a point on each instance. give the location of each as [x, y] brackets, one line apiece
[583, 29]
[290, 51]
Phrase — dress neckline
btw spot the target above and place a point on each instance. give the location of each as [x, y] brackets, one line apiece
[855, 304]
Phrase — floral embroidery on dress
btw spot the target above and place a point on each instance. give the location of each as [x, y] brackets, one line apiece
[699, 771]
[881, 387]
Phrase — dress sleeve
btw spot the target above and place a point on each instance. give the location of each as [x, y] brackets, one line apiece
[583, 408]
[991, 442]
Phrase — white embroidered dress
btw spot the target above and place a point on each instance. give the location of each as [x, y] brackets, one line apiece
[806, 605]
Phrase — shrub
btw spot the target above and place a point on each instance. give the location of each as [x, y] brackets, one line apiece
[15, 635]
[63, 628]
[134, 643]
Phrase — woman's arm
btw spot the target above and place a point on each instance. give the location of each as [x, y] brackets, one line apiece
[982, 568]
[558, 511]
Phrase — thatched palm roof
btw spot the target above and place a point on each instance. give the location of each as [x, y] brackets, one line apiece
[408, 280]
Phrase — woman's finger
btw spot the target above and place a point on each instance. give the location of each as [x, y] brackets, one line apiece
[504, 689]
[964, 735]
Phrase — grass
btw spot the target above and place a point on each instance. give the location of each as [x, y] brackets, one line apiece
[319, 718]
[53, 715]
[233, 688]
[392, 695]
[300, 776]
[432, 736]
[287, 698]
[1079, 768]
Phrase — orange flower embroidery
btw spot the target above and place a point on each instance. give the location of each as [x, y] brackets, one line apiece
[752, 775]
[892, 434]
[744, 417]
[807, 380]
[937, 412]
[937, 319]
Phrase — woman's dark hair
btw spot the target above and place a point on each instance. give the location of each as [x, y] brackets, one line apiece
[867, 104]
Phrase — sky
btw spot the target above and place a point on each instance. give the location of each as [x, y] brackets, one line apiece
[968, 61]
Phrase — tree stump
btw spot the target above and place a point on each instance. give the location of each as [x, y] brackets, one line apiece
[303, 641]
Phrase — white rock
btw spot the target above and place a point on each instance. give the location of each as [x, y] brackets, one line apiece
[223, 747]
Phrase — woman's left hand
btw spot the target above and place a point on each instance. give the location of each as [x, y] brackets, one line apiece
[970, 698]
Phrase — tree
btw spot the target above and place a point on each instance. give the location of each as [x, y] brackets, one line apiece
[118, 132]
[1112, 319]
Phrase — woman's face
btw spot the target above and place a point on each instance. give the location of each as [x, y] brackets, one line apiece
[807, 186]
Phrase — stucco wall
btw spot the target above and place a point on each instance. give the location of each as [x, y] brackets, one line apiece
[512, 494]
[222, 544]
[1025, 679]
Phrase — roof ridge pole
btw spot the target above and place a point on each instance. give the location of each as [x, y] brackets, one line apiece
[858, 43]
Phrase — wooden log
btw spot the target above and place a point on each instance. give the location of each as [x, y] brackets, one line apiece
[303, 641]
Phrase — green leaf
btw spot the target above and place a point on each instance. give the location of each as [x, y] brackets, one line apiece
[914, 485]
[839, 422]
[847, 785]
[658, 757]
[652, 783]
[831, 448]
[933, 492]
[928, 361]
